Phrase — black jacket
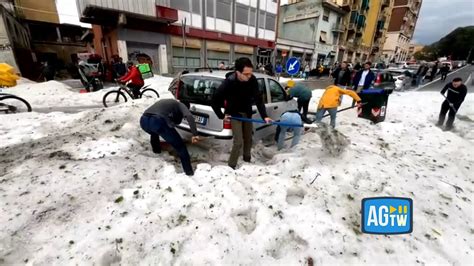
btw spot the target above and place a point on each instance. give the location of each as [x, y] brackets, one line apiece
[239, 97]
[346, 78]
[173, 112]
[455, 95]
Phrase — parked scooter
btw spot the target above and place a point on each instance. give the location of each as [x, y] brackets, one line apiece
[90, 76]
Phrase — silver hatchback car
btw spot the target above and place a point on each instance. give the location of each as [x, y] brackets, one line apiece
[197, 89]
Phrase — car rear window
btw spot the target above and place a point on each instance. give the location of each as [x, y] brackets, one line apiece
[198, 89]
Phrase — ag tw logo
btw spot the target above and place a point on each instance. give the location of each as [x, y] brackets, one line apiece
[387, 215]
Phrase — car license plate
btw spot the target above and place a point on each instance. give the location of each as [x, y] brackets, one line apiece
[200, 119]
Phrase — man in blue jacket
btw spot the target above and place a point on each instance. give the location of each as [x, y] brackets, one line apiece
[364, 78]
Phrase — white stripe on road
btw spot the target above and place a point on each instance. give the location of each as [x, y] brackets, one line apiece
[468, 79]
[431, 82]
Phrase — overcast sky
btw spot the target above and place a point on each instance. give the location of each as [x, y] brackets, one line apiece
[439, 17]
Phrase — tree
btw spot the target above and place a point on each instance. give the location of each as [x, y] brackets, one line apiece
[456, 44]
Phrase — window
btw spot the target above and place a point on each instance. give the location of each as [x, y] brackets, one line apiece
[270, 22]
[253, 17]
[263, 91]
[181, 5]
[223, 8]
[261, 19]
[198, 89]
[215, 57]
[196, 7]
[354, 16]
[193, 57]
[323, 37]
[326, 15]
[210, 8]
[276, 91]
[242, 14]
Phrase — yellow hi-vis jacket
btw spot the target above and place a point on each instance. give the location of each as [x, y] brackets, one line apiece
[331, 96]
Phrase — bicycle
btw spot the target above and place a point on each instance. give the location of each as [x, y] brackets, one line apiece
[10, 103]
[115, 97]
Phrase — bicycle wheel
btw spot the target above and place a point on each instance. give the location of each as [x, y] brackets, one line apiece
[149, 93]
[13, 104]
[113, 98]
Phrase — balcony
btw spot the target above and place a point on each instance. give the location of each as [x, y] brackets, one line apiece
[109, 12]
[365, 5]
[339, 28]
[351, 27]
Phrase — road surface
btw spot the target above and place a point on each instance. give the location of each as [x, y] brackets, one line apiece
[438, 84]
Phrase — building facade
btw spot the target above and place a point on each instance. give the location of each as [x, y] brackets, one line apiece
[414, 48]
[183, 34]
[309, 30]
[402, 24]
[15, 45]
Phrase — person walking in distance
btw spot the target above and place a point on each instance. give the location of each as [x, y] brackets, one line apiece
[444, 70]
[420, 74]
[306, 71]
[237, 94]
[160, 120]
[456, 94]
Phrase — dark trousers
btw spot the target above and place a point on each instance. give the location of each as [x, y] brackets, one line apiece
[303, 104]
[443, 76]
[451, 116]
[156, 127]
[242, 138]
[135, 90]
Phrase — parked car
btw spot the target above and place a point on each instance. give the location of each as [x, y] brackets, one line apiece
[404, 78]
[383, 79]
[197, 89]
[450, 65]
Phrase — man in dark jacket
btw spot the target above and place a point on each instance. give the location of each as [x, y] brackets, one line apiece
[421, 73]
[363, 79]
[456, 94]
[342, 75]
[237, 94]
[444, 70]
[160, 119]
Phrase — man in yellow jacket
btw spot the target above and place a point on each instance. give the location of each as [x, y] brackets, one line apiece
[330, 100]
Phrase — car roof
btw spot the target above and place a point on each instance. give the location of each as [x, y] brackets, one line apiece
[221, 74]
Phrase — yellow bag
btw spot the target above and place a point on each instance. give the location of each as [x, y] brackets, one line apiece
[8, 77]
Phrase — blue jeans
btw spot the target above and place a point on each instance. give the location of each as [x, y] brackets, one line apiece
[332, 113]
[156, 127]
[290, 118]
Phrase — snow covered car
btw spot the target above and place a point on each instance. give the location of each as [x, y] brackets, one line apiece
[197, 89]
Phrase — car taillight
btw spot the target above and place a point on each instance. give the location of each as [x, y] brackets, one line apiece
[177, 90]
[227, 124]
[378, 80]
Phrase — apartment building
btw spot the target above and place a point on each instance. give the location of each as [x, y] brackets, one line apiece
[179, 34]
[310, 30]
[400, 30]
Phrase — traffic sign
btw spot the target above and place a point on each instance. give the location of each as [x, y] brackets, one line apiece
[292, 66]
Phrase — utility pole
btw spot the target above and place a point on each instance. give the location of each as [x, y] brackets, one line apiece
[183, 22]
